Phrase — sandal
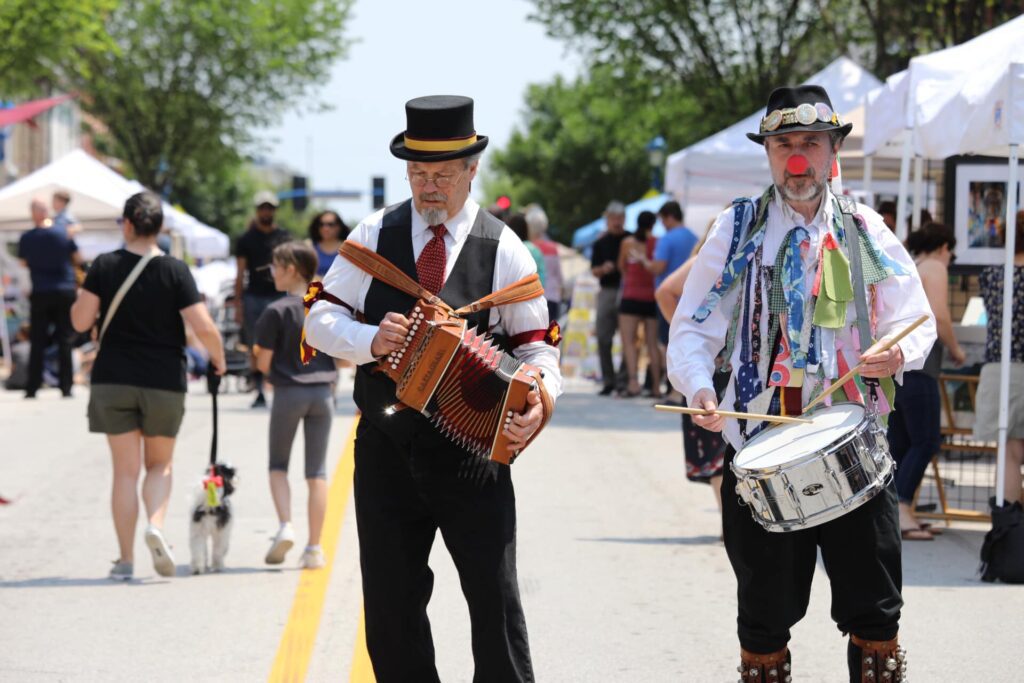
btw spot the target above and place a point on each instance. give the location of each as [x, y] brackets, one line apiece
[917, 534]
[932, 529]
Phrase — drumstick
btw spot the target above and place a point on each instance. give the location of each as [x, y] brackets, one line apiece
[877, 347]
[757, 417]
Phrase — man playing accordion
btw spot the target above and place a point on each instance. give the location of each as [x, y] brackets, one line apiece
[412, 480]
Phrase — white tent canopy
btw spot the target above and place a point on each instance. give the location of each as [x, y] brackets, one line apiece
[884, 113]
[98, 194]
[969, 99]
[728, 165]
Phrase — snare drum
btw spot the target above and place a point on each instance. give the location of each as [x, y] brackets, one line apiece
[798, 475]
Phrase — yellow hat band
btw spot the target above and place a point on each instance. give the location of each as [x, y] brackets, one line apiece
[438, 145]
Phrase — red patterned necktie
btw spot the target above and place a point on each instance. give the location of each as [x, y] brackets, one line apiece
[431, 263]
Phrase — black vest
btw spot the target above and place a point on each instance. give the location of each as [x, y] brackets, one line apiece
[471, 278]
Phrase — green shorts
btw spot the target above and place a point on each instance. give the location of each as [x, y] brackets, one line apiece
[122, 408]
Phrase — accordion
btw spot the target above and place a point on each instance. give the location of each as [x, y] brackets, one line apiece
[467, 386]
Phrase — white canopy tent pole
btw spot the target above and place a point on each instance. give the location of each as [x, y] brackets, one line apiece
[868, 173]
[1004, 353]
[901, 200]
[918, 192]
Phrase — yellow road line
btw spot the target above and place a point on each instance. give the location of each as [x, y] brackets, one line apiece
[296, 648]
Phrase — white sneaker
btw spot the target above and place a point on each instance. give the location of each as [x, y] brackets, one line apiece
[121, 571]
[163, 561]
[283, 542]
[312, 558]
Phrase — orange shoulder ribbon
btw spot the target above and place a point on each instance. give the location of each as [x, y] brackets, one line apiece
[315, 293]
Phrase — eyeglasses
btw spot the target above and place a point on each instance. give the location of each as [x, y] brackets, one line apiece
[440, 181]
[329, 224]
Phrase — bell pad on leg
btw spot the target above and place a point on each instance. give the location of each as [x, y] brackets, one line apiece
[877, 661]
[770, 668]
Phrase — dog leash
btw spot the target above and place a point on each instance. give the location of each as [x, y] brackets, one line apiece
[213, 483]
[213, 385]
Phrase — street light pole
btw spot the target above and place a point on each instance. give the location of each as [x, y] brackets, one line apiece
[656, 158]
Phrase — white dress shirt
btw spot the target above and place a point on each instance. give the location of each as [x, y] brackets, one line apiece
[693, 345]
[334, 330]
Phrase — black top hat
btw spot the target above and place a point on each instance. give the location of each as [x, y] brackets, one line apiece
[438, 128]
[805, 108]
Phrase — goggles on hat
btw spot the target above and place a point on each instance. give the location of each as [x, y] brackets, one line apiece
[805, 115]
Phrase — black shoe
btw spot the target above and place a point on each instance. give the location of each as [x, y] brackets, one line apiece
[30, 394]
[67, 394]
[606, 391]
[260, 402]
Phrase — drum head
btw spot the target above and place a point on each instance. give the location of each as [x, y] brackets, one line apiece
[786, 443]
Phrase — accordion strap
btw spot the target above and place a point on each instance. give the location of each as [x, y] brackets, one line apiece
[521, 290]
[375, 265]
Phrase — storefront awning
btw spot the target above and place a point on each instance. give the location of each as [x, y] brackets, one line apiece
[27, 111]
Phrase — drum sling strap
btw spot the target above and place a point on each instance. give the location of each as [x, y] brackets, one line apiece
[847, 207]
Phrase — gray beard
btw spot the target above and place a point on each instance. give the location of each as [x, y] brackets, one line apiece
[812, 190]
[432, 216]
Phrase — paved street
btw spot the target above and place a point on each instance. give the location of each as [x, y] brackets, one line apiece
[622, 573]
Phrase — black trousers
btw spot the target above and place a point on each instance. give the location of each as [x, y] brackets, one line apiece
[406, 489]
[860, 551]
[46, 309]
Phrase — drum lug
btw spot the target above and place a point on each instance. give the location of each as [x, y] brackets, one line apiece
[791, 492]
[837, 487]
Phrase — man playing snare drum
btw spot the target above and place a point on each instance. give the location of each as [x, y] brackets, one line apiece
[775, 285]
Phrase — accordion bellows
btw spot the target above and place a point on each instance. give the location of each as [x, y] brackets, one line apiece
[461, 380]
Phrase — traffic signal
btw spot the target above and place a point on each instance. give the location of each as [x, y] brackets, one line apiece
[503, 202]
[378, 192]
[300, 200]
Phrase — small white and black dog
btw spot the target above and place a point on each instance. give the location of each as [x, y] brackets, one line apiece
[212, 519]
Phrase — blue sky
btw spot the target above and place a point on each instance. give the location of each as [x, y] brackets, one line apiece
[485, 49]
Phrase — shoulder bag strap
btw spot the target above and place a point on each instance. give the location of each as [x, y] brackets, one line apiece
[125, 286]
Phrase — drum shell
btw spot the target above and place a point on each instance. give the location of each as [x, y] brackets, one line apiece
[818, 487]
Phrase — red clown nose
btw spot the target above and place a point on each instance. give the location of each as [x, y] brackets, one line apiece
[797, 164]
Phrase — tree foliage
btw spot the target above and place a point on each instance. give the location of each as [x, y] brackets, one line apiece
[730, 52]
[886, 35]
[582, 143]
[733, 52]
[192, 78]
[45, 40]
[688, 68]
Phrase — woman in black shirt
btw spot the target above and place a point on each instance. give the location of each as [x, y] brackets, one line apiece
[137, 395]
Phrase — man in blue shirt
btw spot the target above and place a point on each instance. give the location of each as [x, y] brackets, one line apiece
[673, 249]
[49, 254]
[670, 252]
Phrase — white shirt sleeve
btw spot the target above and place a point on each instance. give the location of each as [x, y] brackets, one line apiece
[901, 299]
[692, 345]
[513, 263]
[333, 329]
